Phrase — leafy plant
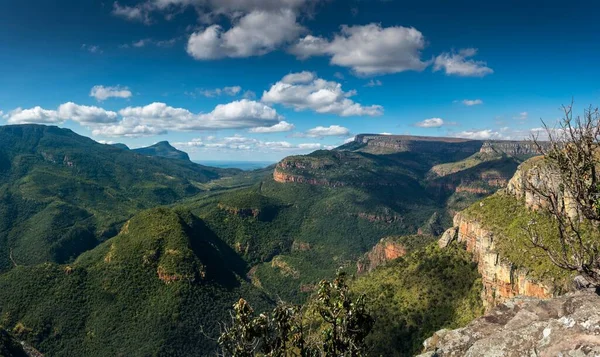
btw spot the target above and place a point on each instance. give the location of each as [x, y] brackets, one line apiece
[344, 324]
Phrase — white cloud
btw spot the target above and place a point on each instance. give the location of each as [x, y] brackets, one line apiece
[102, 93]
[369, 49]
[374, 83]
[68, 111]
[457, 63]
[431, 123]
[386, 133]
[333, 130]
[304, 90]
[522, 116]
[242, 143]
[92, 48]
[87, 115]
[211, 93]
[485, 134]
[158, 118]
[472, 102]
[282, 126]
[207, 10]
[255, 34]
[35, 115]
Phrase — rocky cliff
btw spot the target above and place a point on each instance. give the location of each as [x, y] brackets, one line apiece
[401, 143]
[386, 250]
[565, 326]
[501, 279]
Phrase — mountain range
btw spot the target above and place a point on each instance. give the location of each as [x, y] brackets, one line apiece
[110, 251]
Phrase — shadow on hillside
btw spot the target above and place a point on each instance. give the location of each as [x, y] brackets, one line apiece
[223, 265]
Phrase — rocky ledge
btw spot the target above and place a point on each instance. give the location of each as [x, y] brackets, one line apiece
[564, 326]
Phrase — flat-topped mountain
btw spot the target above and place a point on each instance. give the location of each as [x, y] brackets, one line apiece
[401, 143]
[163, 149]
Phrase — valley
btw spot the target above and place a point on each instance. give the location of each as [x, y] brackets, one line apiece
[104, 248]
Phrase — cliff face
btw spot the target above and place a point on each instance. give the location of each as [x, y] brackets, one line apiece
[501, 280]
[386, 250]
[564, 326]
[403, 143]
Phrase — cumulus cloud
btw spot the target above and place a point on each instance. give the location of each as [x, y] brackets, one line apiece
[87, 115]
[431, 123]
[485, 134]
[211, 93]
[255, 34]
[505, 133]
[280, 127]
[35, 115]
[82, 114]
[459, 64]
[241, 143]
[333, 130]
[472, 102]
[158, 118]
[102, 93]
[369, 49]
[305, 90]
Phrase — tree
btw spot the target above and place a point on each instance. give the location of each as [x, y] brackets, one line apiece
[289, 331]
[568, 187]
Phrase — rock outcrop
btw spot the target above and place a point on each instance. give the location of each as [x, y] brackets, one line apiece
[501, 279]
[565, 326]
[386, 250]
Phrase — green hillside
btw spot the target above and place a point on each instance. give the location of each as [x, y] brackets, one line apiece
[163, 149]
[324, 210]
[414, 296]
[158, 288]
[61, 193]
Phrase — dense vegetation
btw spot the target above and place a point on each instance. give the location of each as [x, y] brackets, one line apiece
[414, 296]
[163, 149]
[76, 279]
[61, 193]
[158, 288]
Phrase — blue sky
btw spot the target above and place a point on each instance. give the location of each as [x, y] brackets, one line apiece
[260, 80]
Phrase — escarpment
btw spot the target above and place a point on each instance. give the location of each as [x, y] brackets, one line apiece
[493, 230]
[501, 279]
[402, 143]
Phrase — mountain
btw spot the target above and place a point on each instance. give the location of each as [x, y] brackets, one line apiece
[62, 193]
[163, 149]
[160, 287]
[120, 146]
[322, 211]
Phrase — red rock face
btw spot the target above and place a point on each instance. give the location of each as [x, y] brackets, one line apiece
[501, 280]
[385, 251]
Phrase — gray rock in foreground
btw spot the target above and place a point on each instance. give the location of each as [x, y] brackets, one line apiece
[565, 326]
